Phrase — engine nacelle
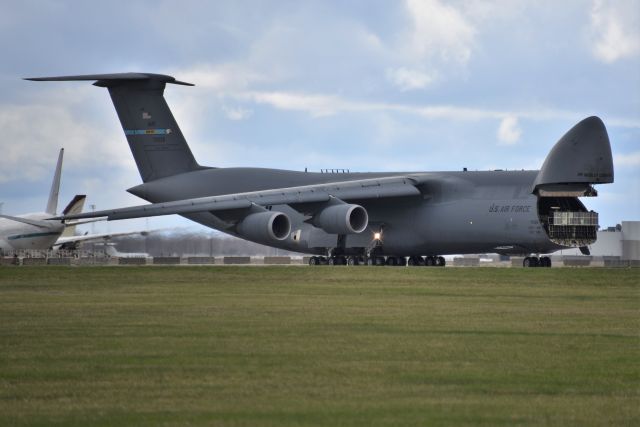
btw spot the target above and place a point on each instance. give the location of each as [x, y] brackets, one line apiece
[265, 226]
[342, 219]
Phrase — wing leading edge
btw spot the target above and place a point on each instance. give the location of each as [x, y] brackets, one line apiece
[366, 189]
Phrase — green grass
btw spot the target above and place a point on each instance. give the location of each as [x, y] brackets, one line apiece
[284, 346]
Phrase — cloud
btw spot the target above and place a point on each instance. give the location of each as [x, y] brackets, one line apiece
[410, 79]
[96, 162]
[320, 105]
[33, 133]
[221, 78]
[237, 113]
[627, 160]
[316, 105]
[615, 26]
[509, 132]
[439, 30]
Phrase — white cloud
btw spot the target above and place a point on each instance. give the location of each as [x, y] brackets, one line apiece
[439, 30]
[316, 105]
[221, 78]
[237, 113]
[627, 160]
[509, 132]
[410, 79]
[615, 26]
[319, 105]
[231, 83]
[33, 134]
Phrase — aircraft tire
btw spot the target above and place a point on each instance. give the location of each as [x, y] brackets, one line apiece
[440, 261]
[532, 261]
[429, 261]
[314, 261]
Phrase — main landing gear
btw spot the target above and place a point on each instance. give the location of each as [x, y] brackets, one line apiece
[379, 260]
[532, 261]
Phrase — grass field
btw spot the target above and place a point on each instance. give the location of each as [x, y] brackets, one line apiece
[283, 346]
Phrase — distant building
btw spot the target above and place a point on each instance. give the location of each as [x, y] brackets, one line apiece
[621, 241]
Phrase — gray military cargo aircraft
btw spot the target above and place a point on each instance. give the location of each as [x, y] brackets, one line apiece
[354, 218]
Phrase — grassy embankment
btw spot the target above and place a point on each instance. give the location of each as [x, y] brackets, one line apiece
[319, 346]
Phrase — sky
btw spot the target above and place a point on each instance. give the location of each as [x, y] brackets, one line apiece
[365, 85]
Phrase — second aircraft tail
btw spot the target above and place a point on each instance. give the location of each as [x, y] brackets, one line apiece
[52, 203]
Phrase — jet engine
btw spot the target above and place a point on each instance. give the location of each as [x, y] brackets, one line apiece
[265, 226]
[342, 219]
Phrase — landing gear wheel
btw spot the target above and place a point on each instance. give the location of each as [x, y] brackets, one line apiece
[440, 261]
[380, 261]
[352, 261]
[314, 260]
[429, 261]
[371, 261]
[545, 261]
[531, 261]
[411, 262]
[391, 261]
[401, 261]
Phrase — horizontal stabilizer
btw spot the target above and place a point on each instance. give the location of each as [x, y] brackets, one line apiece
[104, 79]
[34, 222]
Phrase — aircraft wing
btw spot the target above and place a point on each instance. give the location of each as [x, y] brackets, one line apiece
[89, 237]
[365, 189]
[83, 221]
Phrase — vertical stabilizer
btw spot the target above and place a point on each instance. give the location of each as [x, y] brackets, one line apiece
[52, 204]
[75, 206]
[155, 140]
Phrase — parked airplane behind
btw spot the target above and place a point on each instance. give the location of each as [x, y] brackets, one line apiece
[37, 230]
[392, 218]
[33, 230]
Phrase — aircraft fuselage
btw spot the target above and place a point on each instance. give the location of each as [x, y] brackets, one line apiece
[20, 236]
[460, 212]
